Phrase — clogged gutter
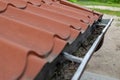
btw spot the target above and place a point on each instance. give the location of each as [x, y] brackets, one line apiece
[66, 69]
[35, 36]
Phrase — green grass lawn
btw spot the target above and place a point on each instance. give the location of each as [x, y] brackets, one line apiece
[85, 3]
[117, 13]
[97, 3]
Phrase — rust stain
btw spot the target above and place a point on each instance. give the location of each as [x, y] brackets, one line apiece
[34, 32]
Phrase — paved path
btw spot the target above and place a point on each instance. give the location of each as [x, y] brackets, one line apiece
[106, 61]
[93, 76]
[105, 8]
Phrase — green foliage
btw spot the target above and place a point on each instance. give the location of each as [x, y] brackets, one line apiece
[108, 12]
[107, 1]
[113, 3]
[104, 1]
[97, 3]
[73, 0]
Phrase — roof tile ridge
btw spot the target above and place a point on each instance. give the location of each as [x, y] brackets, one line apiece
[43, 56]
[31, 59]
[3, 6]
[26, 56]
[34, 2]
[16, 3]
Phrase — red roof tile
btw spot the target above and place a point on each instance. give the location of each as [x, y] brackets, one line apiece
[34, 32]
[17, 55]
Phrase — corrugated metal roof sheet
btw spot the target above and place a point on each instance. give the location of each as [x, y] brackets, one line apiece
[34, 32]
